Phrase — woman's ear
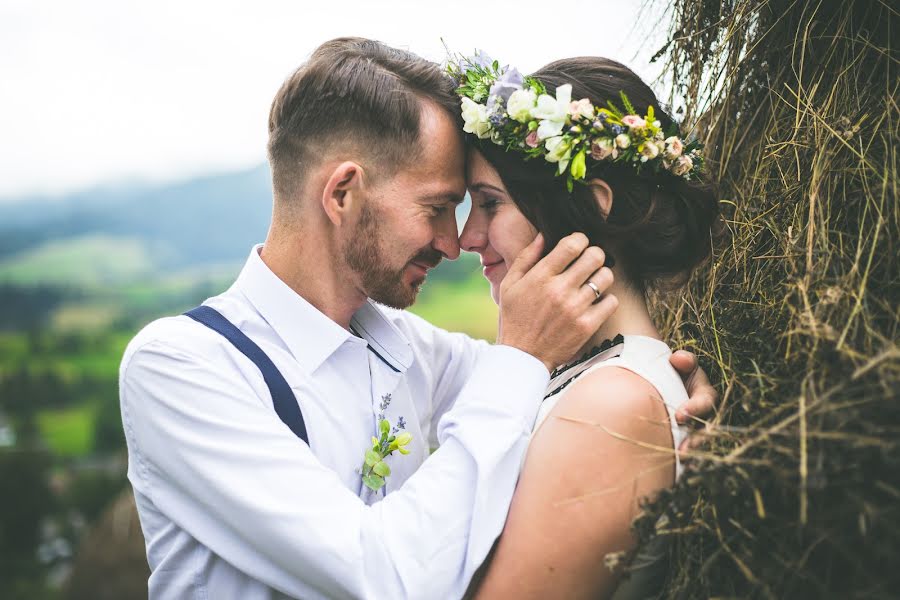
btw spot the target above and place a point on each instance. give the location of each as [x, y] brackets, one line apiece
[603, 195]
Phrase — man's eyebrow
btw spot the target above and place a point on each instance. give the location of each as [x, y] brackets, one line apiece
[452, 197]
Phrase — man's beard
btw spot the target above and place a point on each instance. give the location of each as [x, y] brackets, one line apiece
[367, 258]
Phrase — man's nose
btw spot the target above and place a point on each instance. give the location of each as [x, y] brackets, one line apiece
[446, 241]
[471, 237]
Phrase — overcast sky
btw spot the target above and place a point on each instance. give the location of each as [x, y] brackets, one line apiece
[104, 91]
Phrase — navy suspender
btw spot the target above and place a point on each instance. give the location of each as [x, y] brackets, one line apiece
[282, 396]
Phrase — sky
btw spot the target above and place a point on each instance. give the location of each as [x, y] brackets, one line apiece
[100, 92]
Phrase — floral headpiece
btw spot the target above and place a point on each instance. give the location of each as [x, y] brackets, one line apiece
[517, 112]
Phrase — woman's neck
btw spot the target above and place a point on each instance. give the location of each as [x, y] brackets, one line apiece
[632, 317]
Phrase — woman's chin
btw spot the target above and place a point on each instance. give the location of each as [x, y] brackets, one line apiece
[495, 294]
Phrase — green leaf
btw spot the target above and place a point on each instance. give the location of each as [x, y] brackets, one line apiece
[385, 427]
[578, 167]
[382, 468]
[372, 458]
[373, 482]
[616, 112]
[628, 107]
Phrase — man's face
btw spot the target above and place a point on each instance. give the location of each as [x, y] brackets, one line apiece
[408, 223]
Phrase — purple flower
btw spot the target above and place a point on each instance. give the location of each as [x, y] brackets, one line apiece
[617, 129]
[480, 59]
[510, 81]
[401, 424]
[498, 119]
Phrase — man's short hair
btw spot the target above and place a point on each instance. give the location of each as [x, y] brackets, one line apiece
[358, 94]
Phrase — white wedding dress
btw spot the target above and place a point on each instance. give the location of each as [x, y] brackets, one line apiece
[648, 358]
[644, 356]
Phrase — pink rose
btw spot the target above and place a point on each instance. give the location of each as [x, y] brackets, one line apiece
[532, 139]
[581, 109]
[682, 165]
[674, 147]
[602, 149]
[633, 122]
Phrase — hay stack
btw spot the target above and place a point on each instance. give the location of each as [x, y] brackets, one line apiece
[798, 493]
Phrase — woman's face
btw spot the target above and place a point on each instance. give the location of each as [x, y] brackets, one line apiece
[495, 229]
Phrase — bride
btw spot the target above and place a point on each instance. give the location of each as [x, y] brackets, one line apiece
[583, 145]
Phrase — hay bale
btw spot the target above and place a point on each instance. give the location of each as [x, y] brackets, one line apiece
[797, 493]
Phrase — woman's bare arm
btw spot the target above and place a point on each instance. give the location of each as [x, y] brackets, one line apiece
[604, 446]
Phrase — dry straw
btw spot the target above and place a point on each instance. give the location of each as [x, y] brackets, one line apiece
[797, 492]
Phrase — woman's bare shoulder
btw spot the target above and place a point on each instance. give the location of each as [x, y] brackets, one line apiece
[611, 396]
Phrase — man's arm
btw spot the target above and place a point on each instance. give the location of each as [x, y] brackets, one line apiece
[219, 464]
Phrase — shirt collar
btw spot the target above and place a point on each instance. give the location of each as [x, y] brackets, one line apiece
[310, 336]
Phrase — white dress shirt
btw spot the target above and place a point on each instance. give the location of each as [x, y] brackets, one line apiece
[233, 505]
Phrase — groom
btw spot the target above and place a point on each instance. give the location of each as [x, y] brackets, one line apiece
[248, 420]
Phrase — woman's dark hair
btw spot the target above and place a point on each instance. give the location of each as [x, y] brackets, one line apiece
[659, 226]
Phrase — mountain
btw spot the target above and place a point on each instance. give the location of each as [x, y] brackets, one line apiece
[208, 220]
[125, 233]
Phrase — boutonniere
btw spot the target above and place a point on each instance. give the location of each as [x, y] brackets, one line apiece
[390, 440]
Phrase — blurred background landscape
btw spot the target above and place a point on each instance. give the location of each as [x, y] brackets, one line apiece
[133, 185]
[79, 276]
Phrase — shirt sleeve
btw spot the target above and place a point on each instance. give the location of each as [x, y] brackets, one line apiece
[448, 360]
[218, 463]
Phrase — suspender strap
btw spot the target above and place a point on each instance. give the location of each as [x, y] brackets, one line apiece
[282, 395]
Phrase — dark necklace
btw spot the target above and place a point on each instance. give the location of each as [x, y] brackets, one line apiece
[603, 347]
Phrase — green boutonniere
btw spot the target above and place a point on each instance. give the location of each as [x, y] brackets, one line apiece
[374, 469]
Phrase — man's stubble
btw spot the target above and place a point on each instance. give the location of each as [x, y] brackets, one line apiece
[366, 254]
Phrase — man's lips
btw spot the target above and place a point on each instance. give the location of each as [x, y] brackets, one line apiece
[425, 267]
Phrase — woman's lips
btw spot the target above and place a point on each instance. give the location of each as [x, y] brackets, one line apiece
[491, 268]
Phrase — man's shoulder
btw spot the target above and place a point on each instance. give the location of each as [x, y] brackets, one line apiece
[175, 336]
[175, 332]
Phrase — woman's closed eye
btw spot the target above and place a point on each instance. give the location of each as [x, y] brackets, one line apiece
[489, 204]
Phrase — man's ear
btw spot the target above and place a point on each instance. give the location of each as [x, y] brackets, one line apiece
[342, 195]
[603, 194]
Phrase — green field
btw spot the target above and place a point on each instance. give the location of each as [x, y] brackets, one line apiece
[68, 432]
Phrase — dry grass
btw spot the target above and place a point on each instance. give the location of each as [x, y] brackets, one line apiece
[797, 493]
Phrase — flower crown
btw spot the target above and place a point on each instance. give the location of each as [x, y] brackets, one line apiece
[517, 112]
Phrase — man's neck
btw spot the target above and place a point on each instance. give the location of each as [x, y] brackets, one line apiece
[306, 264]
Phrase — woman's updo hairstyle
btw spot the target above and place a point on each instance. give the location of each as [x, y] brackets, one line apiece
[659, 226]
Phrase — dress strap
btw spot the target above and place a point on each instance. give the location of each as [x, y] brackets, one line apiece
[282, 395]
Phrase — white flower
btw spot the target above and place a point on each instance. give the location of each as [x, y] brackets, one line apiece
[549, 129]
[622, 140]
[649, 151]
[476, 118]
[520, 104]
[552, 112]
[559, 149]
